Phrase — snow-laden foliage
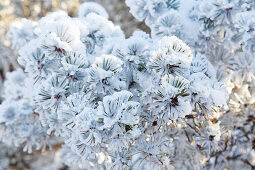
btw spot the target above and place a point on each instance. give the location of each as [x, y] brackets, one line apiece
[223, 32]
[12, 13]
[135, 103]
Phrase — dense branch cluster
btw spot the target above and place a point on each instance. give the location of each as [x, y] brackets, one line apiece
[223, 32]
[145, 102]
